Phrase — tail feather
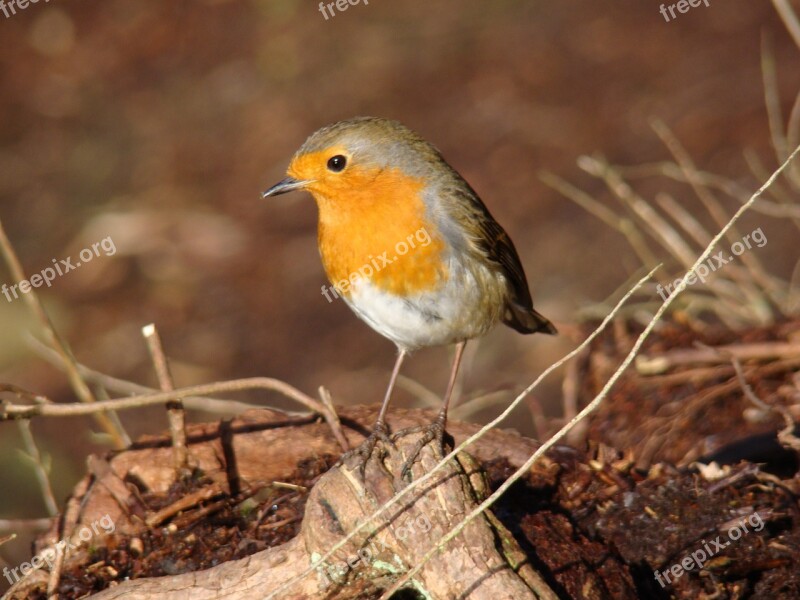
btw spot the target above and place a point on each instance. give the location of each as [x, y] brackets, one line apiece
[527, 320]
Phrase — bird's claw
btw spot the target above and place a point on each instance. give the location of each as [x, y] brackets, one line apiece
[432, 432]
[365, 450]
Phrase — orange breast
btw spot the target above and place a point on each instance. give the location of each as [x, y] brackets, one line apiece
[375, 226]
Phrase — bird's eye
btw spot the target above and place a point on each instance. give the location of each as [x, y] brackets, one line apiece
[337, 163]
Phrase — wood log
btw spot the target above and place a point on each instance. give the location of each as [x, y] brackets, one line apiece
[483, 562]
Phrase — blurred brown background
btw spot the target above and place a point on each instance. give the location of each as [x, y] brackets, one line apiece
[159, 123]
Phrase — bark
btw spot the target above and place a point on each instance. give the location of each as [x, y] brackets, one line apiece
[472, 564]
[483, 562]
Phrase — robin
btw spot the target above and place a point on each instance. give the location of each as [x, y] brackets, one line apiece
[409, 246]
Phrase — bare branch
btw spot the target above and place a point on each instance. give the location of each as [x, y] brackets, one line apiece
[653, 365]
[56, 342]
[10, 411]
[789, 19]
[786, 436]
[175, 415]
[41, 472]
[123, 386]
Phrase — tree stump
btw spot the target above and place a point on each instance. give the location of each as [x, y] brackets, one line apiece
[483, 562]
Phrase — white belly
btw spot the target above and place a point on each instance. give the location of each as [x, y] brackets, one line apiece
[457, 310]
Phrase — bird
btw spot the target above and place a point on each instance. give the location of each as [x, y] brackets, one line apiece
[410, 247]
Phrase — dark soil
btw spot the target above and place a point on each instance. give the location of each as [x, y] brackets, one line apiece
[222, 529]
[697, 411]
[595, 527]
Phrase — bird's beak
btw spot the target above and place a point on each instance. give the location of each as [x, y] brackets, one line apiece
[287, 185]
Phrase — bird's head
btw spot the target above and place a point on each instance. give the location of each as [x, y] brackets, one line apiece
[359, 160]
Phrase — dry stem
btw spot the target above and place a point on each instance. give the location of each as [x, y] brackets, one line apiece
[175, 414]
[56, 342]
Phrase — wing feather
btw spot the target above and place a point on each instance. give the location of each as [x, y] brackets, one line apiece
[490, 240]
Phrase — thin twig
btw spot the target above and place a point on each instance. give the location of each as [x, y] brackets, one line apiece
[748, 391]
[570, 390]
[789, 18]
[684, 218]
[724, 289]
[31, 298]
[17, 411]
[156, 350]
[102, 394]
[784, 197]
[660, 229]
[327, 400]
[694, 376]
[684, 160]
[69, 520]
[38, 525]
[183, 503]
[539, 418]
[785, 208]
[786, 435]
[652, 365]
[122, 386]
[793, 137]
[772, 98]
[622, 224]
[22, 393]
[281, 523]
[55, 574]
[41, 472]
[667, 236]
[73, 409]
[471, 407]
[415, 388]
[288, 486]
[670, 239]
[175, 414]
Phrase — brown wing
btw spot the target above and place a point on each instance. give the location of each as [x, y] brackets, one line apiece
[495, 244]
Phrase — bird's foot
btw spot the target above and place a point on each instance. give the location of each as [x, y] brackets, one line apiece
[364, 451]
[433, 432]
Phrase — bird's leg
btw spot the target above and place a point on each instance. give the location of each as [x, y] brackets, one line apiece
[435, 430]
[380, 432]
